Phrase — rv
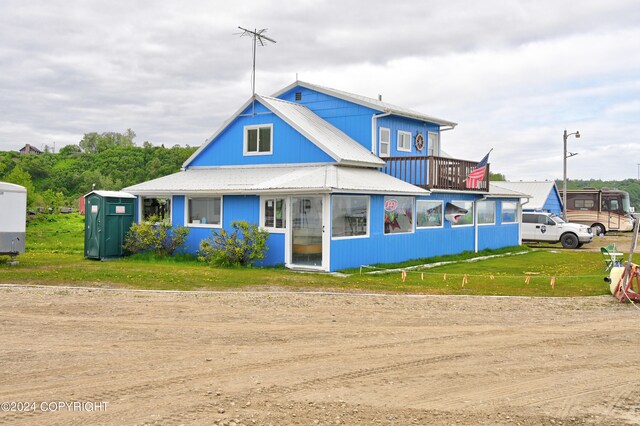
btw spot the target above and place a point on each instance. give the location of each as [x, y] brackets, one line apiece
[602, 209]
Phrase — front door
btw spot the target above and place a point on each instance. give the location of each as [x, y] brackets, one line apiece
[306, 231]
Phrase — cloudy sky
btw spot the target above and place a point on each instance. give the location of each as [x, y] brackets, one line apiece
[514, 73]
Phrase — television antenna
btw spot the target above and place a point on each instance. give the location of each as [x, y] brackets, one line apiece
[258, 37]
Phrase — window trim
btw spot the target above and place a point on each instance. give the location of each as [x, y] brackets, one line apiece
[388, 143]
[188, 224]
[435, 150]
[516, 218]
[352, 237]
[441, 202]
[413, 207]
[246, 151]
[141, 198]
[473, 216]
[402, 132]
[274, 230]
[495, 206]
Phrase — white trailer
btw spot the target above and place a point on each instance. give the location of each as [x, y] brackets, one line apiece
[13, 218]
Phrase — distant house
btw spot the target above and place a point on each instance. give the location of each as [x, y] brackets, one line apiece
[339, 180]
[544, 195]
[30, 149]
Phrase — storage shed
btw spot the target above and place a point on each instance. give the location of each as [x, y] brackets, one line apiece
[108, 217]
[13, 218]
[544, 195]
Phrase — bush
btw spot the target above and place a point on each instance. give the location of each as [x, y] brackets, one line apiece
[244, 246]
[155, 236]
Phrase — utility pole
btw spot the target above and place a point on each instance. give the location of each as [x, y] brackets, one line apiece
[565, 136]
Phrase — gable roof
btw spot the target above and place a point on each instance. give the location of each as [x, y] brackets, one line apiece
[539, 191]
[333, 141]
[372, 103]
[276, 179]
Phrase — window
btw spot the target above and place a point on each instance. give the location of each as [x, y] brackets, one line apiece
[509, 211]
[349, 216]
[258, 140]
[429, 214]
[466, 219]
[275, 213]
[404, 141]
[385, 142]
[160, 207]
[583, 204]
[486, 212]
[398, 215]
[433, 147]
[204, 211]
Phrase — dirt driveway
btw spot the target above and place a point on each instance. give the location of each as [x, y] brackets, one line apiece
[281, 358]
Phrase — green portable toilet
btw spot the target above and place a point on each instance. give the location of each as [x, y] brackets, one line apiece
[108, 217]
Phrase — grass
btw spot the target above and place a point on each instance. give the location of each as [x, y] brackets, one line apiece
[55, 257]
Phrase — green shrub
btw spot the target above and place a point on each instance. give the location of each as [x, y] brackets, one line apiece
[244, 246]
[155, 236]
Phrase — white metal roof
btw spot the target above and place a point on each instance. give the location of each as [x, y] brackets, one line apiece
[111, 194]
[327, 137]
[368, 102]
[276, 179]
[538, 191]
[11, 187]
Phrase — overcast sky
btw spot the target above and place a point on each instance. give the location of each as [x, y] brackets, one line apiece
[514, 74]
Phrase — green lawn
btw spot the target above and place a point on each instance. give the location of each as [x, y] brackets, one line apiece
[55, 257]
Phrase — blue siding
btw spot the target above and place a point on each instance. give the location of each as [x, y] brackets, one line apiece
[423, 243]
[353, 119]
[395, 124]
[275, 253]
[234, 207]
[554, 202]
[289, 146]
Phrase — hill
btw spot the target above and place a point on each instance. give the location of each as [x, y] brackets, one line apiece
[108, 161]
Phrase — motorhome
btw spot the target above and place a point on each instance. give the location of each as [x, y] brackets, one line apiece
[602, 209]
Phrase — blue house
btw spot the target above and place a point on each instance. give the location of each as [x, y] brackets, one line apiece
[339, 180]
[543, 196]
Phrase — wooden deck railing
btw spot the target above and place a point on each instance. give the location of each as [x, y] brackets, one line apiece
[434, 172]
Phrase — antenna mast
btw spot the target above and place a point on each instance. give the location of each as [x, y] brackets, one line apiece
[258, 37]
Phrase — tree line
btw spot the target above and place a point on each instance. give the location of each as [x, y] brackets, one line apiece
[106, 161]
[112, 161]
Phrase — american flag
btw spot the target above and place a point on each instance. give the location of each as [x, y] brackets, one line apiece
[477, 174]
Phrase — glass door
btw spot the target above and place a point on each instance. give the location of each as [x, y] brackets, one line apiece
[306, 231]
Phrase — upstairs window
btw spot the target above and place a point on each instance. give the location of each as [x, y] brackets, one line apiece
[385, 142]
[404, 141]
[433, 144]
[258, 140]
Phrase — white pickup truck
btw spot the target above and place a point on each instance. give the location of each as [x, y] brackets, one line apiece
[542, 226]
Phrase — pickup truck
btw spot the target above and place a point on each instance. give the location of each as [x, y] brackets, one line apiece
[542, 226]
